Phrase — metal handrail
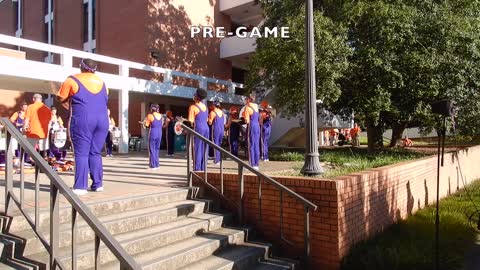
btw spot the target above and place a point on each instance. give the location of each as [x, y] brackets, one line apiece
[261, 176]
[57, 187]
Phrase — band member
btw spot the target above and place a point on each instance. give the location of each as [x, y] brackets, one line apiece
[108, 140]
[18, 119]
[37, 119]
[251, 116]
[154, 121]
[217, 120]
[56, 123]
[211, 108]
[233, 128]
[88, 97]
[170, 130]
[198, 116]
[266, 122]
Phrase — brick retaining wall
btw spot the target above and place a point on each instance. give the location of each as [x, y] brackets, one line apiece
[352, 207]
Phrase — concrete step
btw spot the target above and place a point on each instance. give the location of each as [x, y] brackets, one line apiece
[119, 223]
[185, 252]
[270, 266]
[143, 240]
[11, 254]
[244, 256]
[105, 207]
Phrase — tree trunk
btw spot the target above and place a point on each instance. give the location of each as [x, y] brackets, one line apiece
[397, 132]
[375, 138]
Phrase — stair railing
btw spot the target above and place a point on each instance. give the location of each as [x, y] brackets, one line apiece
[57, 188]
[308, 205]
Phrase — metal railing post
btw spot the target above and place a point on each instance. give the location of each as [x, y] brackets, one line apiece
[307, 236]
[74, 239]
[189, 159]
[221, 172]
[54, 224]
[37, 198]
[22, 175]
[8, 171]
[240, 180]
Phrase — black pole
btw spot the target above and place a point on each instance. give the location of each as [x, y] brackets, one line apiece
[440, 151]
[312, 163]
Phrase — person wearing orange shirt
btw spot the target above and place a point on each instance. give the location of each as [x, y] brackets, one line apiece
[217, 120]
[198, 117]
[56, 123]
[355, 134]
[108, 140]
[406, 142]
[154, 121]
[37, 119]
[88, 97]
[251, 117]
[18, 119]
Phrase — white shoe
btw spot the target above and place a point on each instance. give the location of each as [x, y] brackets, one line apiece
[256, 168]
[80, 192]
[266, 160]
[100, 189]
[156, 168]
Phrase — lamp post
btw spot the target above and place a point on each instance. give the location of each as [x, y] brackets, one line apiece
[312, 165]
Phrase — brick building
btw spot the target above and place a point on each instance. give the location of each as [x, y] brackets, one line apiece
[153, 32]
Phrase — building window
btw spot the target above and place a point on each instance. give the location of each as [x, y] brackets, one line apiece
[89, 29]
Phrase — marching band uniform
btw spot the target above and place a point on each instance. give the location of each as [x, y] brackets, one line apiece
[233, 131]
[88, 98]
[266, 119]
[170, 130]
[154, 121]
[217, 120]
[252, 117]
[108, 140]
[198, 115]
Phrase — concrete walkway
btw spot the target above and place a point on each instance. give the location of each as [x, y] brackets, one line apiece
[128, 175]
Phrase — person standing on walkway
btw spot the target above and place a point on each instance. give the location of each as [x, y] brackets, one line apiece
[251, 117]
[266, 123]
[355, 134]
[217, 120]
[18, 119]
[233, 127]
[108, 140]
[154, 121]
[197, 117]
[37, 119]
[88, 97]
[169, 126]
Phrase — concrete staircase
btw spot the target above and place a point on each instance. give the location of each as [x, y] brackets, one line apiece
[161, 231]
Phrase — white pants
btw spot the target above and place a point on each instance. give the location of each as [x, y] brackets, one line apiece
[42, 143]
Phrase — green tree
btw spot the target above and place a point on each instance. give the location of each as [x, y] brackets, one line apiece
[279, 64]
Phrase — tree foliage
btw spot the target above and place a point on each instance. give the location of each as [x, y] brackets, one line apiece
[279, 64]
[386, 60]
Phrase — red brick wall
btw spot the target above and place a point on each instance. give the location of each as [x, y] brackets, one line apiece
[350, 208]
[68, 24]
[323, 222]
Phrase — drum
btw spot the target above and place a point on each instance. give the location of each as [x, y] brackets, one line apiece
[60, 137]
[178, 128]
[115, 135]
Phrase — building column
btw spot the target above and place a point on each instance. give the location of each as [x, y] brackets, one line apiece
[123, 120]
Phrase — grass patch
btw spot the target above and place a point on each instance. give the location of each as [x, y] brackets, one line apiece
[341, 161]
[409, 244]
